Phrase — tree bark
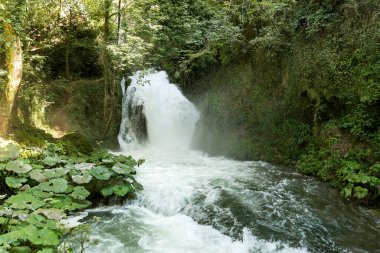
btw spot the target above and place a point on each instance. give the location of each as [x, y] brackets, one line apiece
[14, 67]
[118, 22]
[67, 50]
[109, 89]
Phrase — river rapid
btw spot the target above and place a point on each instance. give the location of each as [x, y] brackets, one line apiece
[194, 203]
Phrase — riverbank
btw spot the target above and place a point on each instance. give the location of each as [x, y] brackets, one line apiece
[301, 94]
[42, 186]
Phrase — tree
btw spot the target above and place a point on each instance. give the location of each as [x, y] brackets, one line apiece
[8, 93]
[14, 68]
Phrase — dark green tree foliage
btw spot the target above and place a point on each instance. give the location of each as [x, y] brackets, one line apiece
[305, 90]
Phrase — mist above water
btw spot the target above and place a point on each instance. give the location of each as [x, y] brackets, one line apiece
[193, 203]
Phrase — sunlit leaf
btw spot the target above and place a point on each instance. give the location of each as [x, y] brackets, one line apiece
[123, 169]
[83, 178]
[122, 189]
[56, 172]
[24, 201]
[80, 193]
[57, 185]
[52, 213]
[9, 152]
[38, 176]
[101, 172]
[18, 166]
[15, 182]
[107, 191]
[52, 161]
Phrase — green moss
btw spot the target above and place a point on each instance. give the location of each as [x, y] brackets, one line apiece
[74, 143]
[31, 136]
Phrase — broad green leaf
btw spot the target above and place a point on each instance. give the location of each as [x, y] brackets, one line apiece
[52, 213]
[18, 166]
[360, 192]
[38, 176]
[121, 189]
[83, 178]
[101, 172]
[107, 191]
[127, 160]
[52, 160]
[57, 185]
[45, 236]
[9, 152]
[67, 203]
[108, 161]
[84, 166]
[13, 236]
[41, 222]
[69, 188]
[15, 182]
[25, 201]
[123, 169]
[138, 186]
[55, 173]
[38, 193]
[80, 193]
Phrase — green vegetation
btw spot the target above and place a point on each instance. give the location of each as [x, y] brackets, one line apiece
[286, 81]
[43, 185]
[304, 91]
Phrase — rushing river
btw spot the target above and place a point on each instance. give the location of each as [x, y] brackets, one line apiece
[193, 203]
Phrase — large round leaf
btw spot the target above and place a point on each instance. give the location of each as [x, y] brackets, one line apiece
[80, 193]
[43, 236]
[25, 201]
[107, 191]
[84, 166]
[123, 169]
[57, 185]
[122, 189]
[56, 172]
[38, 176]
[67, 203]
[101, 172]
[18, 166]
[15, 182]
[52, 213]
[83, 178]
[41, 222]
[9, 152]
[53, 160]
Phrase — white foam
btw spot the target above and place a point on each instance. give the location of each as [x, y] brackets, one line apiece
[170, 116]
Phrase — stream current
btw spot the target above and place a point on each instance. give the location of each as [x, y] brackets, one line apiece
[194, 203]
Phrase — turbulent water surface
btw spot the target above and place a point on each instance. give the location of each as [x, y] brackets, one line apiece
[194, 203]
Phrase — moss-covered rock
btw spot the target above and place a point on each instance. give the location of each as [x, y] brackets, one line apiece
[75, 143]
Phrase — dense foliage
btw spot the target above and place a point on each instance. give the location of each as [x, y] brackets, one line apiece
[42, 186]
[288, 81]
[305, 91]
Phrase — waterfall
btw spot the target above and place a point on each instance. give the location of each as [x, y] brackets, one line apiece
[155, 112]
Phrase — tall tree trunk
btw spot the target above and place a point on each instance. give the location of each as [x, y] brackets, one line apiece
[109, 89]
[118, 22]
[67, 50]
[14, 67]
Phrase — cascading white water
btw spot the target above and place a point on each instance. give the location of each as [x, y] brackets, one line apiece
[193, 203]
[170, 117]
